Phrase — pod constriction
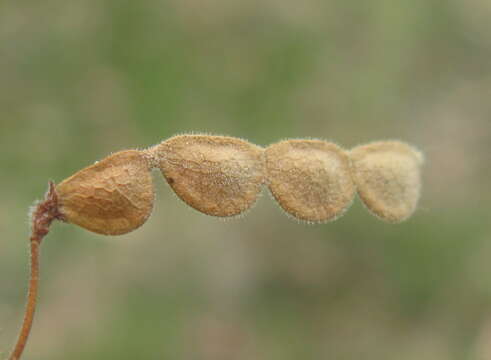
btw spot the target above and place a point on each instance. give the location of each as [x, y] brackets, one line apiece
[310, 179]
[114, 196]
[216, 175]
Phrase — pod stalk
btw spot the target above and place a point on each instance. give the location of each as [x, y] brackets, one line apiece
[45, 212]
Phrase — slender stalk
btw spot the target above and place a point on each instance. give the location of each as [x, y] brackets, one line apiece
[31, 302]
[42, 217]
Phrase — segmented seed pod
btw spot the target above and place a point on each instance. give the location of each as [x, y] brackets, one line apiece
[114, 196]
[310, 179]
[217, 175]
[387, 175]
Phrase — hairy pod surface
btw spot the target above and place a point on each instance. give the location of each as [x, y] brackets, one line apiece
[217, 175]
[387, 175]
[310, 179]
[114, 196]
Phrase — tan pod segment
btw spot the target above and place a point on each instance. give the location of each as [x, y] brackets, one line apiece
[114, 196]
[217, 175]
[310, 179]
[387, 175]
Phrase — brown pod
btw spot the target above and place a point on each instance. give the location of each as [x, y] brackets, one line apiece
[114, 196]
[387, 175]
[217, 175]
[310, 179]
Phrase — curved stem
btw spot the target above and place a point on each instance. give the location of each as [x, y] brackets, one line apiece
[31, 302]
[42, 217]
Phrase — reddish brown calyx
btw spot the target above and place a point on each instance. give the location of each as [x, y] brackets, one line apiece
[45, 212]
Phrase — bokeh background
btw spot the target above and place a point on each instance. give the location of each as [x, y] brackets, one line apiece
[82, 79]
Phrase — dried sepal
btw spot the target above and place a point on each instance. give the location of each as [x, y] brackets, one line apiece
[217, 175]
[114, 196]
[387, 175]
[310, 179]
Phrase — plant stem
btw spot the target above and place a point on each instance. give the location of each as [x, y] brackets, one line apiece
[42, 217]
[31, 302]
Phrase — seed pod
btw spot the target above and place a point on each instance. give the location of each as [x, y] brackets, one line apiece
[217, 175]
[387, 175]
[114, 196]
[310, 179]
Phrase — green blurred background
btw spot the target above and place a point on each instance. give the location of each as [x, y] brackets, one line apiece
[82, 79]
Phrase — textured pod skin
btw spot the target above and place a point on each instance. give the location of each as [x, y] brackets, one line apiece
[387, 175]
[114, 196]
[217, 175]
[310, 179]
